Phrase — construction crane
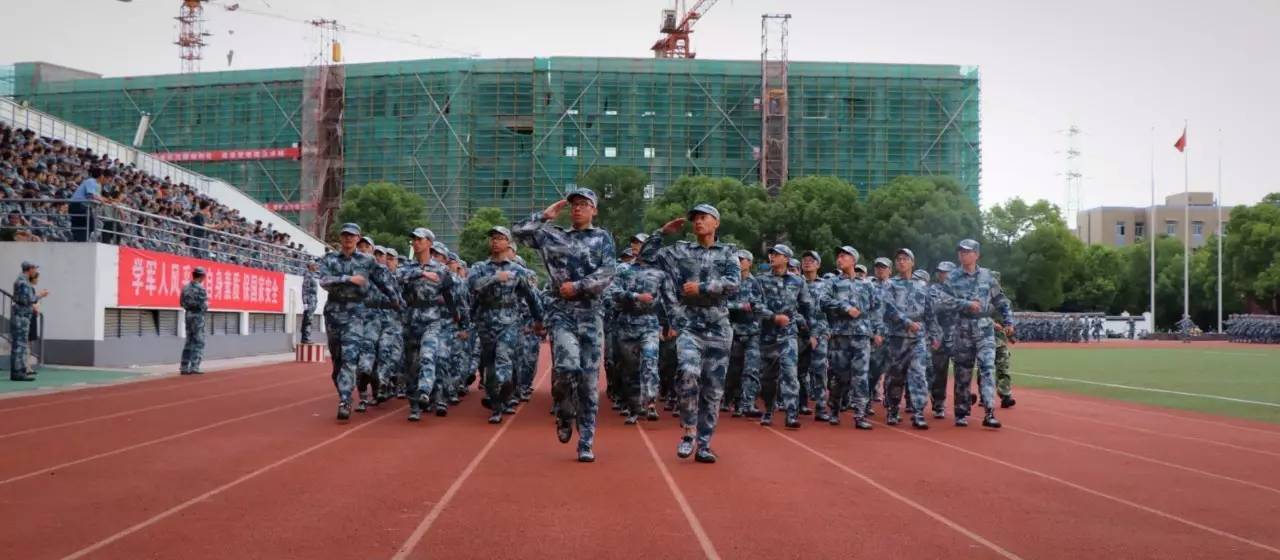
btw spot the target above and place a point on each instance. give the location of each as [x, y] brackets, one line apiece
[675, 33]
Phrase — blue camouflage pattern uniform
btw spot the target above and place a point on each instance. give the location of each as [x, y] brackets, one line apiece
[975, 339]
[453, 353]
[21, 310]
[940, 359]
[530, 343]
[742, 385]
[704, 336]
[496, 314]
[850, 347]
[309, 302]
[783, 294]
[584, 258]
[907, 301]
[637, 326]
[344, 315]
[430, 304]
[813, 364]
[382, 296]
[195, 301]
[609, 312]
[390, 339]
[879, 354]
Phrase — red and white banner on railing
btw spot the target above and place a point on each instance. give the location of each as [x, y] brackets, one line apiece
[289, 206]
[151, 279]
[292, 152]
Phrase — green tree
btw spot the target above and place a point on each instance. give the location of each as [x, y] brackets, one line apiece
[621, 193]
[1005, 224]
[1252, 252]
[473, 242]
[387, 212]
[927, 214]
[820, 213]
[1039, 258]
[744, 209]
[1094, 283]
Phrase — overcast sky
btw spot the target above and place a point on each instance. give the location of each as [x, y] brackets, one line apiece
[1116, 68]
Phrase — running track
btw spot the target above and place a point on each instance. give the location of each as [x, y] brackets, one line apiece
[250, 464]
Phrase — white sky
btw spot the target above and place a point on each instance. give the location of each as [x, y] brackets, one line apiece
[1117, 69]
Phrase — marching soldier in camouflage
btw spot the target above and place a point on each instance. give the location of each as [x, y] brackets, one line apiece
[641, 295]
[497, 285]
[940, 363]
[580, 262]
[706, 275]
[742, 383]
[913, 328]
[426, 285]
[813, 340]
[853, 312]
[379, 297]
[346, 275]
[390, 334]
[786, 301]
[530, 336]
[309, 301]
[21, 310]
[195, 302]
[881, 270]
[974, 293]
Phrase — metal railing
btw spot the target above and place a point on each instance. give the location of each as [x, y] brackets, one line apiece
[36, 333]
[119, 225]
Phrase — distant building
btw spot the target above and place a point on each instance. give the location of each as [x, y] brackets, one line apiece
[1117, 226]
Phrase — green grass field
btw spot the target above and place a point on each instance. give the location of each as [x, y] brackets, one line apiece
[1214, 374]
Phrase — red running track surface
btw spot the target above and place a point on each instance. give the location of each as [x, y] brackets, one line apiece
[251, 464]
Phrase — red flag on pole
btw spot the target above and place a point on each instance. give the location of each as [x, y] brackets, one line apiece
[1181, 144]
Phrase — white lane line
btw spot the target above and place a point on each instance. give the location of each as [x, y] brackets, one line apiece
[914, 504]
[1081, 417]
[1098, 493]
[184, 505]
[1152, 390]
[1147, 459]
[708, 549]
[149, 408]
[1059, 396]
[425, 525]
[140, 445]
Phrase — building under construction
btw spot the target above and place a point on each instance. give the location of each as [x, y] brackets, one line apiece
[516, 133]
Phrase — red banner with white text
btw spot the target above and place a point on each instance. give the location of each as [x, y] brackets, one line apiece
[292, 152]
[151, 279]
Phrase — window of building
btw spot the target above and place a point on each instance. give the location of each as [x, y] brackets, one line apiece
[222, 322]
[650, 153]
[1197, 230]
[1139, 230]
[610, 151]
[119, 323]
[570, 151]
[266, 323]
[1171, 227]
[1120, 238]
[648, 191]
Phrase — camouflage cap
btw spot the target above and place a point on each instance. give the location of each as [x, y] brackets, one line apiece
[198, 271]
[920, 274]
[379, 249]
[848, 250]
[812, 254]
[641, 237]
[502, 230]
[584, 193]
[423, 233]
[628, 253]
[945, 266]
[745, 254]
[861, 268]
[904, 251]
[390, 251]
[350, 228]
[28, 265]
[793, 263]
[882, 261]
[367, 239]
[440, 248]
[782, 250]
[704, 208]
[968, 245]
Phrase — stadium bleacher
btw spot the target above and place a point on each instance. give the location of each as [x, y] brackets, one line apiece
[38, 176]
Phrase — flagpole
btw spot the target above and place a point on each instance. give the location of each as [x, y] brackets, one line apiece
[1219, 231]
[1186, 233]
[1151, 229]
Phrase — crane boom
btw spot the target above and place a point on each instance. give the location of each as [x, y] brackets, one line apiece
[675, 39]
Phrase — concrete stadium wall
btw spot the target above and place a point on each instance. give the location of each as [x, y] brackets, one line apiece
[82, 283]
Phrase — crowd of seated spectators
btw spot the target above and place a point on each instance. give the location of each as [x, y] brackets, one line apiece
[39, 176]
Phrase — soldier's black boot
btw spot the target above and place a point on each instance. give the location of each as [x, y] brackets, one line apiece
[705, 455]
[990, 421]
[766, 419]
[793, 421]
[1007, 401]
[652, 414]
[586, 455]
[344, 411]
[891, 418]
[496, 417]
[962, 421]
[564, 429]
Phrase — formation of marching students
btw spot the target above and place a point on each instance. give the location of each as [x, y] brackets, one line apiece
[686, 325]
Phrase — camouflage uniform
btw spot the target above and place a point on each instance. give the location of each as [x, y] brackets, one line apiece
[813, 363]
[879, 362]
[383, 296]
[783, 294]
[495, 312]
[850, 346]
[743, 381]
[702, 323]
[637, 327]
[390, 338]
[975, 335]
[195, 301]
[941, 358]
[309, 296]
[452, 353]
[609, 317]
[344, 314]
[1004, 383]
[584, 257]
[21, 311]
[530, 341]
[907, 301]
[424, 325]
